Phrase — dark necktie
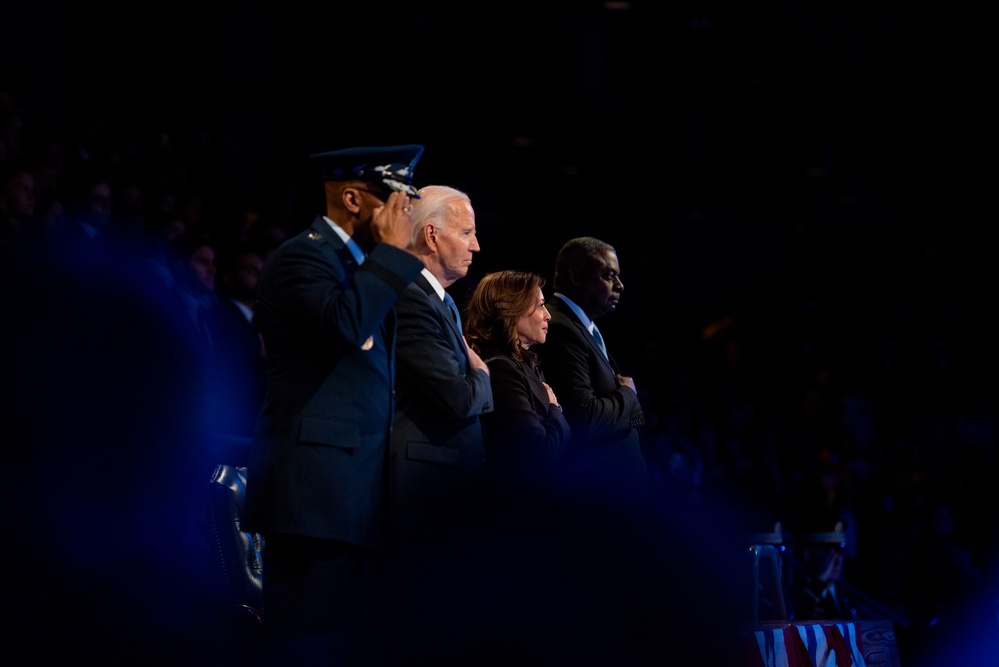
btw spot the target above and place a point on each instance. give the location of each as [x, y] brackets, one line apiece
[454, 310]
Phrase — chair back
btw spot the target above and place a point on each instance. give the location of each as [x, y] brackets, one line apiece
[238, 555]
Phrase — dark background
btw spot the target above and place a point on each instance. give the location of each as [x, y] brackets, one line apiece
[800, 194]
[706, 140]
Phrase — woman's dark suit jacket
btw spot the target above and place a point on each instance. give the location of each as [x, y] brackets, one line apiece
[525, 434]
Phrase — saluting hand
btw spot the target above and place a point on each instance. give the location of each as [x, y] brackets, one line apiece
[391, 222]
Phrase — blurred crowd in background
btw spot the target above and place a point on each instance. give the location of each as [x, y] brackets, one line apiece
[861, 388]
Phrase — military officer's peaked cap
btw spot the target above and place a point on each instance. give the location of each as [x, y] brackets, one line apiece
[390, 167]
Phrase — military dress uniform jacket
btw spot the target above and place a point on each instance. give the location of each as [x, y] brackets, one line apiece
[604, 418]
[437, 438]
[319, 457]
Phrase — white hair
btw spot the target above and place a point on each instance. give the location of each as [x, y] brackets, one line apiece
[433, 204]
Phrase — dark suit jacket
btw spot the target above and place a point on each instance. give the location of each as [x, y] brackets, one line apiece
[319, 457]
[238, 373]
[437, 437]
[605, 445]
[525, 435]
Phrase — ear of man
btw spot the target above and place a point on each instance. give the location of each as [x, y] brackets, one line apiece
[430, 235]
[351, 198]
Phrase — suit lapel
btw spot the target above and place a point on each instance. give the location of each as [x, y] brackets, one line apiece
[585, 333]
[444, 314]
[347, 265]
[439, 306]
[343, 262]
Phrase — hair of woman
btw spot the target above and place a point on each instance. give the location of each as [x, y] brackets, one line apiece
[500, 299]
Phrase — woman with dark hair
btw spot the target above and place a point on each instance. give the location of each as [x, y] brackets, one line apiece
[526, 433]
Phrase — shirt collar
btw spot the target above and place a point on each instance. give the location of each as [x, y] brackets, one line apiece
[587, 322]
[243, 308]
[351, 244]
[432, 279]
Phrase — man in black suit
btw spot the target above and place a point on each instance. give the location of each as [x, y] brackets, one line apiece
[238, 351]
[442, 384]
[600, 404]
[317, 469]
